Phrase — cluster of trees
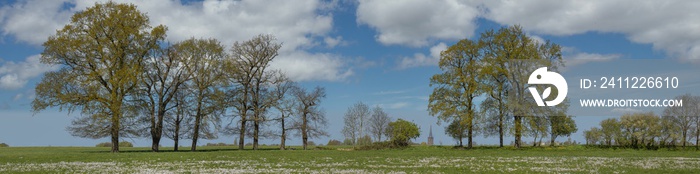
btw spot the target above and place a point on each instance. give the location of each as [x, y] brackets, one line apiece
[363, 124]
[126, 81]
[678, 126]
[497, 66]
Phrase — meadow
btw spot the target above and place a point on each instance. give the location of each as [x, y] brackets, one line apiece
[416, 159]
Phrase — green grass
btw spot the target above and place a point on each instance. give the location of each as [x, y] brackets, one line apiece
[418, 159]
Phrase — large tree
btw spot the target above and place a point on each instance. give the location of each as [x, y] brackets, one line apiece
[511, 56]
[101, 53]
[204, 60]
[285, 106]
[354, 120]
[311, 120]
[250, 80]
[457, 85]
[163, 76]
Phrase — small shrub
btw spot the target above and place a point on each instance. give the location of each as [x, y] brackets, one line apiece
[380, 145]
[4, 145]
[125, 144]
[310, 143]
[334, 143]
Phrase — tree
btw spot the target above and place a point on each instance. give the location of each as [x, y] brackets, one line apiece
[204, 58]
[354, 121]
[495, 118]
[457, 131]
[684, 117]
[285, 105]
[249, 74]
[311, 119]
[592, 136]
[458, 85]
[176, 118]
[561, 126]
[378, 123]
[610, 130]
[101, 52]
[640, 129]
[537, 128]
[163, 76]
[511, 55]
[403, 131]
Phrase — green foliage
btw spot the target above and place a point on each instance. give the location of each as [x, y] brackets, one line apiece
[334, 143]
[456, 130]
[561, 126]
[365, 140]
[348, 142]
[403, 131]
[4, 145]
[101, 54]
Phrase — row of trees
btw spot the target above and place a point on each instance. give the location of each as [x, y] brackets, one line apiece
[497, 66]
[126, 81]
[678, 126]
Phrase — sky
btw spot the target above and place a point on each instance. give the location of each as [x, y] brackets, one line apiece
[378, 52]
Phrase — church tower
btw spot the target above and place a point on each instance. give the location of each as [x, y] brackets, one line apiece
[430, 136]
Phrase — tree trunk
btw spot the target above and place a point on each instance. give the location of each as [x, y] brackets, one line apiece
[684, 135]
[197, 122]
[470, 135]
[177, 135]
[241, 136]
[115, 135]
[500, 130]
[551, 143]
[157, 131]
[284, 135]
[304, 134]
[256, 131]
[518, 131]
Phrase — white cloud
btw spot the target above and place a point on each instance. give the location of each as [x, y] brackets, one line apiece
[14, 75]
[671, 26]
[303, 66]
[33, 21]
[332, 42]
[420, 59]
[298, 24]
[583, 58]
[417, 22]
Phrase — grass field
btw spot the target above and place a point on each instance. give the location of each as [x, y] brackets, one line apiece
[419, 159]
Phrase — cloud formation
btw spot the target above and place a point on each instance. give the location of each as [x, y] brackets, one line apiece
[14, 75]
[299, 25]
[417, 22]
[420, 59]
[671, 26]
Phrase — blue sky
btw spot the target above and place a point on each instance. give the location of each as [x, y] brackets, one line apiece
[378, 52]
